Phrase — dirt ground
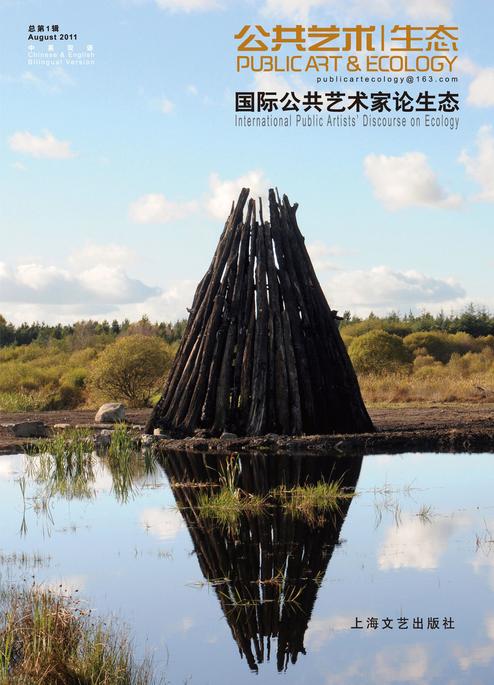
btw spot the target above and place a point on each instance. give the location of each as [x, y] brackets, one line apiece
[396, 425]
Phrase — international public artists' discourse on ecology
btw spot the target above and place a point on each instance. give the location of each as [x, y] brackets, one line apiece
[342, 121]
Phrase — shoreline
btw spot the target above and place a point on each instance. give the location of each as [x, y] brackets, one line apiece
[436, 428]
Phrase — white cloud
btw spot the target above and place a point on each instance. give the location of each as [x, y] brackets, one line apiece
[464, 65]
[394, 664]
[298, 10]
[272, 82]
[301, 10]
[321, 630]
[475, 656]
[418, 545]
[55, 80]
[406, 181]
[170, 305]
[154, 208]
[321, 255]
[189, 5]
[186, 624]
[224, 192]
[382, 288]
[399, 664]
[166, 106]
[41, 147]
[103, 284]
[94, 253]
[481, 166]
[10, 466]
[481, 88]
[161, 104]
[111, 284]
[429, 9]
[165, 524]
[480, 655]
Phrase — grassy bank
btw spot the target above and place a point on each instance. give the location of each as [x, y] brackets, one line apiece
[446, 387]
[47, 638]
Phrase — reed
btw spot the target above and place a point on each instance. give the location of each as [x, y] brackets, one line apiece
[48, 638]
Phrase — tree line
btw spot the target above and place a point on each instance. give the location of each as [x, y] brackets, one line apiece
[82, 332]
[473, 319]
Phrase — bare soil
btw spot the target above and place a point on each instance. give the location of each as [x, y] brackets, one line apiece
[398, 428]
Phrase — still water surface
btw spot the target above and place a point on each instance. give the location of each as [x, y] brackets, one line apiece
[273, 599]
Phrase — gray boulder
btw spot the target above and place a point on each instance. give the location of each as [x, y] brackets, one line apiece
[111, 412]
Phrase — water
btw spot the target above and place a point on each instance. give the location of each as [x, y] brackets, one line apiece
[416, 542]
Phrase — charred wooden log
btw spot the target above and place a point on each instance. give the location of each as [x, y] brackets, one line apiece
[261, 352]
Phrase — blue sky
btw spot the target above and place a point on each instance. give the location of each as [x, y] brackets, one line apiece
[115, 177]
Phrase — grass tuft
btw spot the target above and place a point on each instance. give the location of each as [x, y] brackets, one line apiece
[72, 442]
[313, 501]
[226, 506]
[47, 638]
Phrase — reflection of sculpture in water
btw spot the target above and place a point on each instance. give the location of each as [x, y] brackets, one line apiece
[267, 570]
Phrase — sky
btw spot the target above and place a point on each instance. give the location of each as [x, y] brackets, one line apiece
[116, 177]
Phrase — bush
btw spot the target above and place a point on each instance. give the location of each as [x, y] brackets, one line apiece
[379, 352]
[131, 369]
[471, 363]
[434, 344]
[421, 361]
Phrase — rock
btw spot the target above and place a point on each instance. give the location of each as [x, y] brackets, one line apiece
[111, 412]
[228, 436]
[157, 431]
[103, 439]
[30, 429]
[147, 440]
[61, 426]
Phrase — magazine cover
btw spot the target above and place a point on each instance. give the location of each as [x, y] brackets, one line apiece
[246, 342]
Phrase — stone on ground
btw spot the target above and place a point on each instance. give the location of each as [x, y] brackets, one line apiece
[30, 429]
[111, 412]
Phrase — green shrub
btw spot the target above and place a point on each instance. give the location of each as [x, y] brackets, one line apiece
[75, 377]
[423, 360]
[379, 352]
[82, 358]
[435, 344]
[131, 369]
